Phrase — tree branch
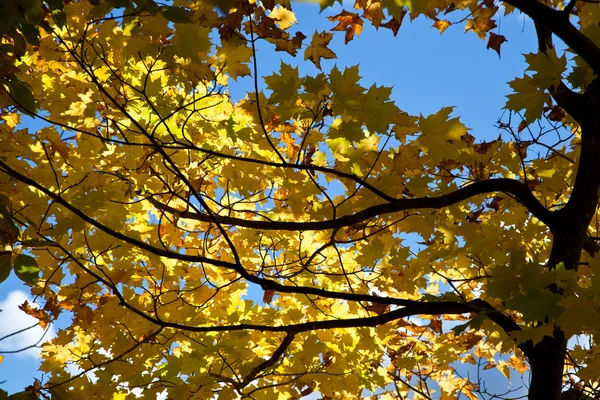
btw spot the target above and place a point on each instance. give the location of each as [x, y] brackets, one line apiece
[118, 235]
[510, 186]
[289, 338]
[410, 308]
[560, 25]
[570, 101]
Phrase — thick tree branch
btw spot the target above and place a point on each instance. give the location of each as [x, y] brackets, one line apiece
[559, 24]
[516, 188]
[410, 308]
[570, 101]
[510, 186]
[416, 308]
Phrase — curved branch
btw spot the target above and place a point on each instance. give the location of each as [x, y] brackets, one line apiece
[518, 188]
[510, 186]
[558, 22]
[409, 308]
[416, 308]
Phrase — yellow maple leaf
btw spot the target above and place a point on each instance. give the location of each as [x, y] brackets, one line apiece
[285, 18]
[318, 48]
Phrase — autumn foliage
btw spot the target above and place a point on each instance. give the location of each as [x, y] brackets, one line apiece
[310, 238]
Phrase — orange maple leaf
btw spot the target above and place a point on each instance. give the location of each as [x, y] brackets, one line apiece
[442, 25]
[43, 318]
[352, 23]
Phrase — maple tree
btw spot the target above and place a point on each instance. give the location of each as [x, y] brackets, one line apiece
[146, 201]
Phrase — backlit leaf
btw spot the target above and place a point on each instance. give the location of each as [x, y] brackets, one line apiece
[318, 48]
[26, 268]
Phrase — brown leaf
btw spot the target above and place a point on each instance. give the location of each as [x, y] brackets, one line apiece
[268, 4]
[436, 325]
[471, 340]
[53, 307]
[495, 41]
[474, 216]
[533, 183]
[149, 337]
[557, 114]
[378, 308]
[43, 318]
[484, 147]
[490, 365]
[268, 296]
[495, 204]
[84, 315]
[290, 46]
[522, 126]
[394, 24]
[352, 23]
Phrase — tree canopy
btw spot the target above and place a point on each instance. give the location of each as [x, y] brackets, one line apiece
[139, 198]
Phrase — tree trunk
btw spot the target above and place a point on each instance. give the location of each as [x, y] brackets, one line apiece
[547, 359]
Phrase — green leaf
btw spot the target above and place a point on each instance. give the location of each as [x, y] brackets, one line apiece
[176, 14]
[564, 278]
[458, 329]
[441, 135]
[54, 4]
[99, 11]
[285, 85]
[5, 268]
[22, 96]
[548, 67]
[527, 96]
[36, 243]
[34, 12]
[31, 33]
[59, 18]
[475, 323]
[27, 269]
[119, 3]
[327, 3]
[20, 44]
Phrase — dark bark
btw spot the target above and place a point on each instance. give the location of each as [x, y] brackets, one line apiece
[547, 358]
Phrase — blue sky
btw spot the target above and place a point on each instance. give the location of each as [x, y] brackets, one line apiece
[427, 70]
